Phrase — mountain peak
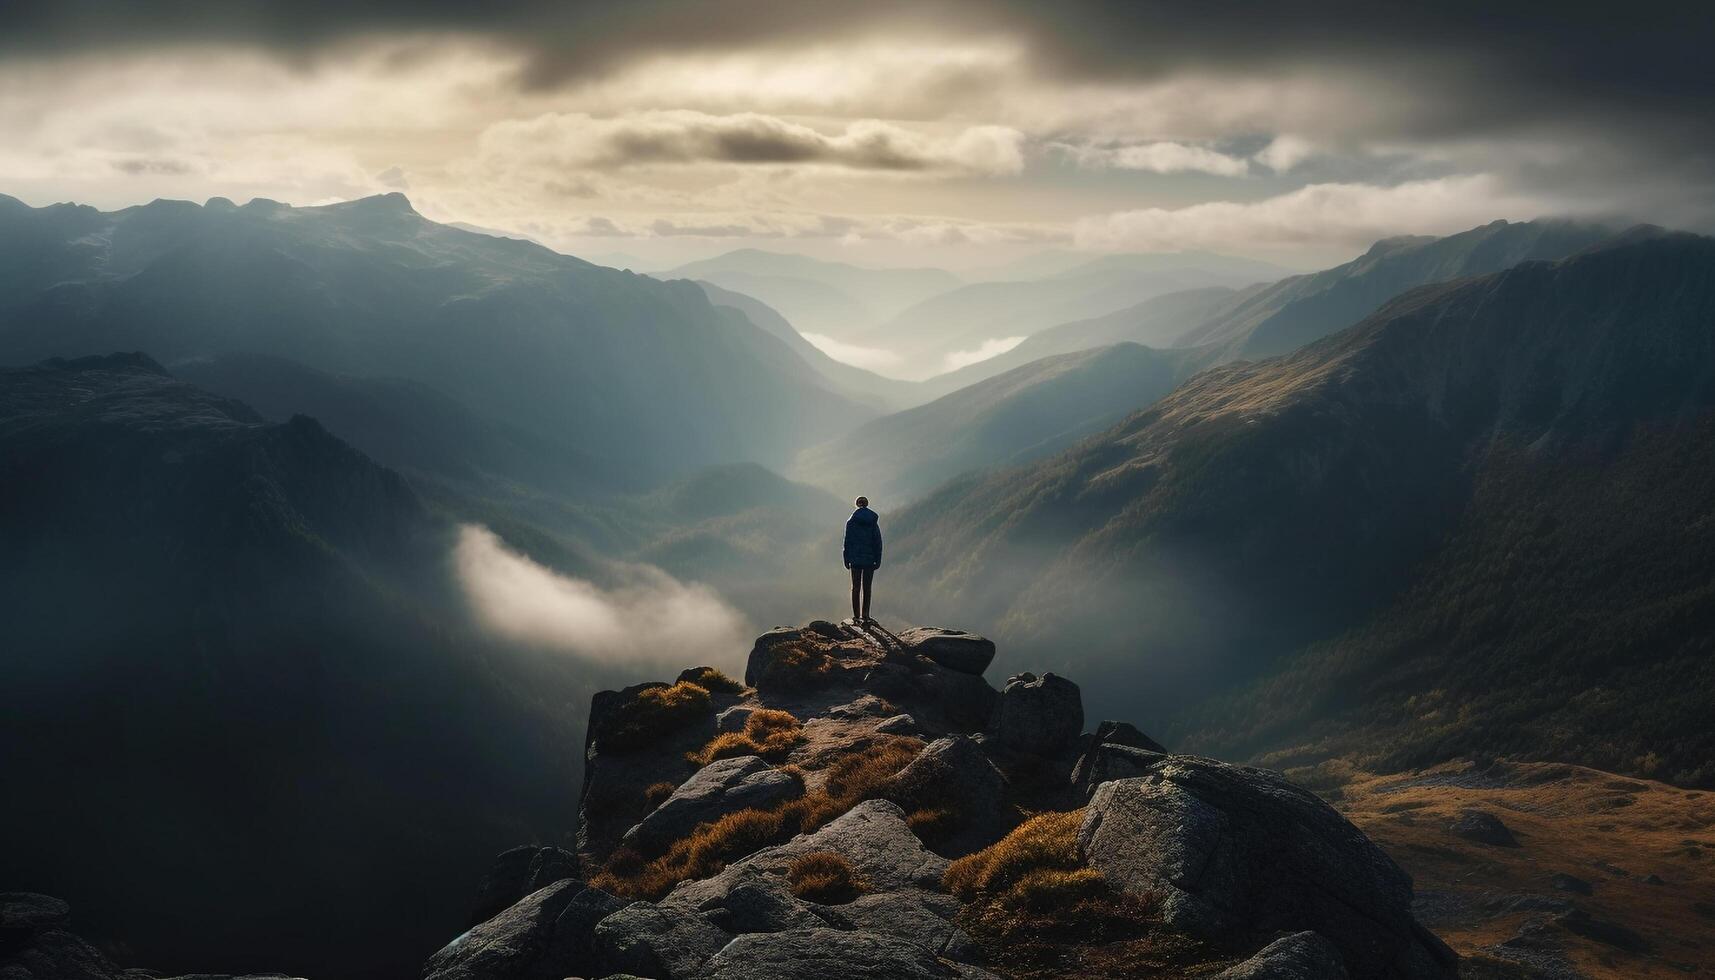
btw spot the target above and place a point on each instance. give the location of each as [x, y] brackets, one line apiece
[391, 203]
[864, 797]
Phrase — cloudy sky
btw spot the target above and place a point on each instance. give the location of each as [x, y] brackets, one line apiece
[960, 132]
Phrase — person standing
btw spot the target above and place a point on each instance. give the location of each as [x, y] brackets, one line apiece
[862, 556]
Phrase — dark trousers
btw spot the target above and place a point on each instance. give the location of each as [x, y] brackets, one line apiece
[861, 579]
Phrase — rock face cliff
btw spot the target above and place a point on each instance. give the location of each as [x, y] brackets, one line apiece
[865, 804]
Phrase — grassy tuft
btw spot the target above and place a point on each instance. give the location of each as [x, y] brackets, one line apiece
[657, 793]
[1031, 884]
[715, 681]
[795, 667]
[768, 733]
[1045, 841]
[859, 776]
[825, 877]
[653, 714]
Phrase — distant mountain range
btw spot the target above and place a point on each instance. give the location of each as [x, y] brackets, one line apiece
[244, 681]
[866, 387]
[1037, 407]
[1281, 315]
[836, 299]
[1029, 412]
[1489, 496]
[645, 376]
[927, 334]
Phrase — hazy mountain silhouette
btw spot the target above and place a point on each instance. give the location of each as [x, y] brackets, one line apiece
[259, 733]
[1266, 319]
[602, 364]
[1155, 323]
[884, 394]
[404, 424]
[964, 318]
[1284, 316]
[832, 298]
[1500, 483]
[1024, 414]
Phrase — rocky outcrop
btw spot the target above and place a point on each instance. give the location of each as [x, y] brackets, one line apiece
[1229, 851]
[719, 788]
[1038, 714]
[533, 939]
[517, 873]
[953, 775]
[37, 943]
[1484, 828]
[1300, 956]
[829, 954]
[945, 765]
[967, 653]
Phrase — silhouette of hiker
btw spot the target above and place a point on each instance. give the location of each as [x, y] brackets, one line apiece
[863, 556]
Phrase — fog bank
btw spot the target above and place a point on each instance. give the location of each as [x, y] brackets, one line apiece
[655, 620]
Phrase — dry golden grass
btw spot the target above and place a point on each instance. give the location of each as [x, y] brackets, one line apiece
[825, 877]
[1031, 883]
[715, 680]
[654, 713]
[1609, 831]
[795, 667]
[1045, 841]
[768, 733]
[657, 793]
[865, 775]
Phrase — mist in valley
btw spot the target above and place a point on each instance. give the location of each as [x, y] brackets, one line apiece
[377, 388]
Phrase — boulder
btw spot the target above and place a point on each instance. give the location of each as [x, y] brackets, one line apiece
[1564, 882]
[1106, 762]
[1038, 715]
[719, 788]
[1230, 851]
[1300, 956]
[546, 935]
[824, 629]
[1484, 828]
[953, 774]
[865, 706]
[964, 652]
[36, 945]
[668, 941]
[899, 725]
[924, 918]
[518, 872]
[873, 837]
[760, 903]
[965, 701]
[29, 912]
[761, 649]
[733, 718]
[826, 954]
[892, 681]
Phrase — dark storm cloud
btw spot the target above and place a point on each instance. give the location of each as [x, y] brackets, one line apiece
[1638, 73]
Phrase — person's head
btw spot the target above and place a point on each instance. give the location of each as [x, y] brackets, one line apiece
[862, 501]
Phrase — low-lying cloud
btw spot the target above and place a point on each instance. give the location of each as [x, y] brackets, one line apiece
[655, 620]
[689, 137]
[1348, 214]
[993, 347]
[869, 358]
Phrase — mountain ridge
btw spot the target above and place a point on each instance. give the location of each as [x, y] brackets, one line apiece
[1264, 504]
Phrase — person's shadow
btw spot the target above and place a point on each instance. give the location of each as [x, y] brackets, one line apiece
[878, 634]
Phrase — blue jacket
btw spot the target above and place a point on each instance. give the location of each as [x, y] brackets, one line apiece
[863, 540]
